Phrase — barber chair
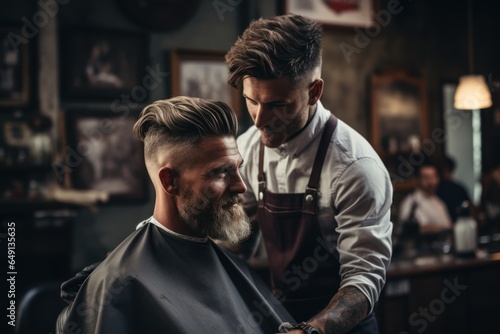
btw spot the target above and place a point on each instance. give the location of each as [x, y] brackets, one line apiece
[39, 309]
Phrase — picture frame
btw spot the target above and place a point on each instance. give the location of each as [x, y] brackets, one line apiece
[15, 60]
[102, 65]
[399, 119]
[399, 112]
[334, 12]
[204, 74]
[105, 155]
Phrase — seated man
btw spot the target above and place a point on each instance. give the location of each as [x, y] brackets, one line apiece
[168, 276]
[423, 205]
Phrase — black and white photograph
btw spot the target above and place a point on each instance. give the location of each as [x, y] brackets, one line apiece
[101, 64]
[203, 74]
[205, 79]
[399, 113]
[14, 68]
[110, 157]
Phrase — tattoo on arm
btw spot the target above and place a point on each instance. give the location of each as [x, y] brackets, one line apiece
[346, 309]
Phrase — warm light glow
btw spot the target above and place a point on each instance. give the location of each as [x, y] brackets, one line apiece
[472, 93]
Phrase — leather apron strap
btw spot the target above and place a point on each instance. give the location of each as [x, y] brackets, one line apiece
[291, 231]
[311, 194]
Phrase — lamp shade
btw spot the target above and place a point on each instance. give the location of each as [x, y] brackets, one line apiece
[472, 93]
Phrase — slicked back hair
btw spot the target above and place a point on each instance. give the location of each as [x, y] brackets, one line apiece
[183, 120]
[282, 46]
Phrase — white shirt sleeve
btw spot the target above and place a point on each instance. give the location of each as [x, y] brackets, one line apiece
[362, 198]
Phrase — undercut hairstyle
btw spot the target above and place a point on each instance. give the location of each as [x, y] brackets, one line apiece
[283, 46]
[182, 121]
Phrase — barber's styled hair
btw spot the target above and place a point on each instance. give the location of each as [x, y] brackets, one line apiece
[278, 47]
[183, 120]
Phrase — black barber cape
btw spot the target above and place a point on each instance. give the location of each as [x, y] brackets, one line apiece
[156, 282]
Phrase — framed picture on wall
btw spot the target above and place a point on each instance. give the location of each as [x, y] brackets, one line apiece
[399, 112]
[14, 68]
[357, 13]
[106, 155]
[103, 64]
[203, 74]
[399, 118]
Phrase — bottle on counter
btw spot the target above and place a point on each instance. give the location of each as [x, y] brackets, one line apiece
[465, 232]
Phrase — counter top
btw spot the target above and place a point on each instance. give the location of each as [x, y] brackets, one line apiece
[433, 263]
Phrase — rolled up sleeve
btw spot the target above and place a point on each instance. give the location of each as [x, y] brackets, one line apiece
[361, 199]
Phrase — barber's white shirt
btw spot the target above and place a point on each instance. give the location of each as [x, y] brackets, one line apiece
[430, 210]
[355, 195]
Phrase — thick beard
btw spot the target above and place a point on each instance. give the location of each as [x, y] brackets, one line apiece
[225, 220]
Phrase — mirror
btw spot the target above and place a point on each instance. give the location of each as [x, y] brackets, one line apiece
[399, 120]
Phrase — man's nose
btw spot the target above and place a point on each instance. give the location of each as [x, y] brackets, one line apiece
[237, 185]
[261, 118]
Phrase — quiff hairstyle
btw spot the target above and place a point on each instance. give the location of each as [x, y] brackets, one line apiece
[282, 46]
[182, 121]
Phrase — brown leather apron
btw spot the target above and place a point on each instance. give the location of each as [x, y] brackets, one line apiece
[304, 273]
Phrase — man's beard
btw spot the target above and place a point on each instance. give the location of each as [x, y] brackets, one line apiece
[224, 220]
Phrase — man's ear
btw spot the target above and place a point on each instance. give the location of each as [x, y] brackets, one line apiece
[316, 91]
[168, 180]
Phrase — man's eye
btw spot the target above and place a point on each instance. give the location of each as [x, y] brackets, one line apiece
[252, 102]
[221, 174]
[278, 106]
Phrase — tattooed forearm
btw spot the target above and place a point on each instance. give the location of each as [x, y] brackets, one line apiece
[346, 309]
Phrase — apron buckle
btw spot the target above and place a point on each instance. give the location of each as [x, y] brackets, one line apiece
[310, 200]
[260, 195]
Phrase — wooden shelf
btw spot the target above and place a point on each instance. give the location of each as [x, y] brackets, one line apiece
[439, 263]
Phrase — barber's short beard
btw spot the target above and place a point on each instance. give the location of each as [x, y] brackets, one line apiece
[224, 220]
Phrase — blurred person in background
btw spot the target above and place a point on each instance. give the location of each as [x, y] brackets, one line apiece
[423, 205]
[451, 192]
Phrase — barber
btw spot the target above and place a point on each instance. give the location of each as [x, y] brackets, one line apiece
[320, 192]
